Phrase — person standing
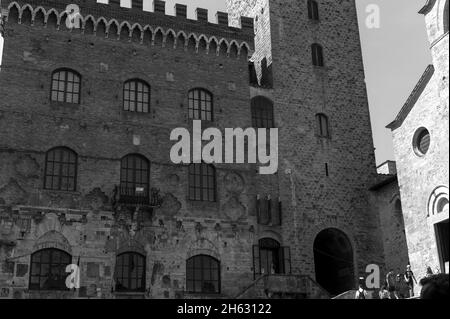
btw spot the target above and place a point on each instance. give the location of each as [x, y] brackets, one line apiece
[384, 294]
[401, 289]
[410, 279]
[390, 283]
[361, 293]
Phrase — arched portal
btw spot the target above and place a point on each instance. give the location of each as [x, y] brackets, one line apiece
[333, 259]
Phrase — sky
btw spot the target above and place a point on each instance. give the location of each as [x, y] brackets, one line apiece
[395, 56]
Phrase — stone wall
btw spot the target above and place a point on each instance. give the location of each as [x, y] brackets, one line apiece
[101, 133]
[313, 201]
[423, 178]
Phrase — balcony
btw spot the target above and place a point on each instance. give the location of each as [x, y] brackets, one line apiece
[137, 196]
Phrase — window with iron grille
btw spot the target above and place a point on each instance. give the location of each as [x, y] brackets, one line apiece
[61, 169]
[66, 86]
[317, 55]
[48, 269]
[202, 182]
[134, 179]
[136, 96]
[262, 112]
[313, 10]
[200, 105]
[130, 272]
[203, 275]
[322, 125]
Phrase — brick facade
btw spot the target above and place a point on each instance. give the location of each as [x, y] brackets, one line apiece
[322, 183]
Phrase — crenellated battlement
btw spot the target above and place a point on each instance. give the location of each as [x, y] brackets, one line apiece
[133, 24]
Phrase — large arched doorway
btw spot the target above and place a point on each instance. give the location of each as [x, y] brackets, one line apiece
[333, 259]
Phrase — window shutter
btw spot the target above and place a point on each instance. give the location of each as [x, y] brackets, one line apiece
[280, 211]
[276, 213]
[263, 211]
[258, 210]
[286, 262]
[256, 262]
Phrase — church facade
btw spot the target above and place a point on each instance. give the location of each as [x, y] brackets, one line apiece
[420, 135]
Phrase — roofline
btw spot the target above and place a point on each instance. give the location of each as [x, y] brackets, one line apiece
[427, 7]
[412, 99]
[387, 181]
[385, 162]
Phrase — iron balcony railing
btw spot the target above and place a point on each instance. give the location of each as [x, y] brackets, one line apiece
[138, 195]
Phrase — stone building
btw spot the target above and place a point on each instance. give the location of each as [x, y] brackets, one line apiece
[387, 200]
[421, 143]
[86, 177]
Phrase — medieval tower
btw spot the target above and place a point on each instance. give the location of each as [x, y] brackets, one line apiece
[85, 172]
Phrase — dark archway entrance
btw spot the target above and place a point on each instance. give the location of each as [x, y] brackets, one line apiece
[333, 259]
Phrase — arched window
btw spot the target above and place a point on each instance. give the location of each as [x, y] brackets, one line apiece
[66, 86]
[317, 55]
[61, 169]
[134, 179]
[129, 273]
[136, 96]
[262, 112]
[269, 258]
[200, 105]
[313, 10]
[202, 182]
[48, 269]
[322, 125]
[203, 275]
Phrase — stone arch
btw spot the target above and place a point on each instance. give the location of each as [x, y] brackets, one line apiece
[89, 25]
[170, 39]
[203, 246]
[39, 17]
[53, 239]
[112, 29]
[181, 40]
[202, 44]
[13, 12]
[52, 18]
[437, 198]
[158, 36]
[268, 234]
[147, 36]
[137, 33]
[100, 27]
[213, 46]
[192, 43]
[224, 47]
[38, 8]
[125, 31]
[244, 50]
[234, 49]
[26, 15]
[334, 261]
[130, 245]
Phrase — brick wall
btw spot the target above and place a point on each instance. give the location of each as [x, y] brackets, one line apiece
[313, 201]
[101, 133]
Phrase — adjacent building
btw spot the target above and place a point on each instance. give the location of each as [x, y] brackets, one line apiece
[421, 143]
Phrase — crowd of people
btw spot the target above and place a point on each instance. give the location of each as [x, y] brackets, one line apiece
[401, 286]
